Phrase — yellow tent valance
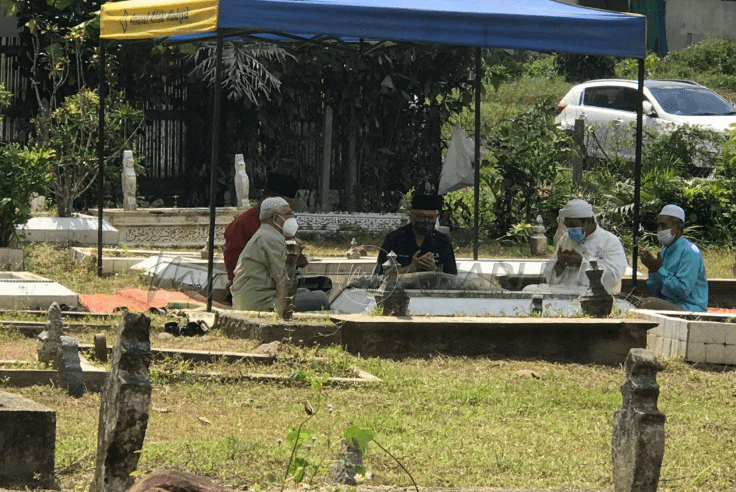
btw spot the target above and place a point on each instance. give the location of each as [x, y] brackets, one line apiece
[137, 19]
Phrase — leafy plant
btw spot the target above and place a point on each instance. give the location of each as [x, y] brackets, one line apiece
[528, 149]
[24, 171]
[73, 137]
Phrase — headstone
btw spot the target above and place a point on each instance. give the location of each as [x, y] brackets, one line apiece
[37, 202]
[49, 352]
[173, 480]
[286, 288]
[391, 295]
[27, 443]
[70, 371]
[129, 181]
[638, 427]
[125, 403]
[596, 301]
[349, 458]
[242, 183]
[100, 347]
[354, 251]
[538, 240]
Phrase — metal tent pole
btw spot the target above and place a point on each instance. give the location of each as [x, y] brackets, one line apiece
[213, 167]
[637, 174]
[476, 180]
[102, 89]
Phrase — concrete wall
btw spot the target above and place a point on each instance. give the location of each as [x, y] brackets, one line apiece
[700, 18]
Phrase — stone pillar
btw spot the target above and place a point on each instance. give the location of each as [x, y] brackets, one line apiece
[391, 295]
[242, 183]
[70, 371]
[538, 240]
[125, 402]
[286, 287]
[49, 352]
[638, 427]
[129, 181]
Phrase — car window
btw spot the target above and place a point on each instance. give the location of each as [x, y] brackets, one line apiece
[611, 97]
[687, 101]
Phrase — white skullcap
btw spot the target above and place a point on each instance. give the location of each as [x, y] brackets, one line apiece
[673, 211]
[270, 205]
[577, 209]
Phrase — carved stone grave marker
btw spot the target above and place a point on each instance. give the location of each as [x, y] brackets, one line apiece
[125, 403]
[638, 427]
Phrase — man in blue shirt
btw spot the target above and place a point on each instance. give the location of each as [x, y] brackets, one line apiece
[677, 275]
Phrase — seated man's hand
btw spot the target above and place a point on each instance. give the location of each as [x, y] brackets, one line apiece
[567, 258]
[424, 263]
[653, 264]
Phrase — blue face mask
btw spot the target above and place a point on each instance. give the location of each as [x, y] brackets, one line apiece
[576, 234]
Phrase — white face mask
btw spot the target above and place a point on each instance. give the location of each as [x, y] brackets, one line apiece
[289, 228]
[665, 237]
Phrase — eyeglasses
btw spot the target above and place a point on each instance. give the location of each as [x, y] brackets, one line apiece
[419, 216]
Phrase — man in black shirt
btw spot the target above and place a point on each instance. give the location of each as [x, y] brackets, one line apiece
[418, 246]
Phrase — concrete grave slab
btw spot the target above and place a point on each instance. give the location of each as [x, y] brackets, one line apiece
[176, 273]
[25, 290]
[81, 229]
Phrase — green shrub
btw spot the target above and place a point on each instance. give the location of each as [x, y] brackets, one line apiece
[24, 171]
[529, 150]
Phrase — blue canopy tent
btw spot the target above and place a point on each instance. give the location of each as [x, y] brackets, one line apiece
[540, 25]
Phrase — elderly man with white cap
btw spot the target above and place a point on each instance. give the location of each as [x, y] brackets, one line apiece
[583, 241]
[677, 276]
[263, 262]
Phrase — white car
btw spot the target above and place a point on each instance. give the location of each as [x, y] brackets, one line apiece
[601, 103]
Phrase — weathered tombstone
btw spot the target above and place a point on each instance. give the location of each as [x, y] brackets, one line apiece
[638, 427]
[125, 402]
[596, 301]
[391, 294]
[354, 251]
[27, 443]
[100, 347]
[129, 181]
[242, 183]
[70, 371]
[538, 241]
[37, 202]
[348, 459]
[49, 352]
[286, 288]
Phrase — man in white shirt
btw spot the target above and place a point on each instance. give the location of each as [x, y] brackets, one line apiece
[583, 240]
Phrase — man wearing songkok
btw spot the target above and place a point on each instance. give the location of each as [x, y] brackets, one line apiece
[677, 276]
[263, 263]
[418, 246]
[583, 241]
